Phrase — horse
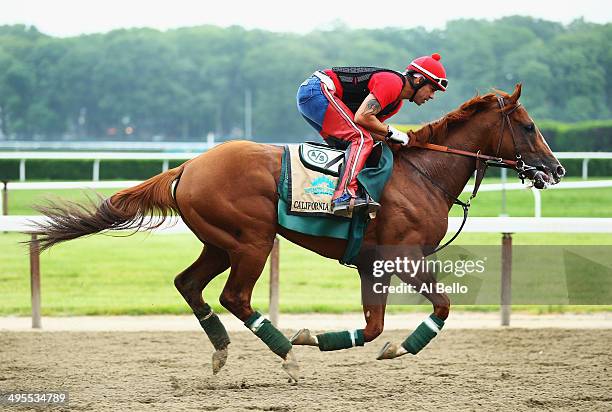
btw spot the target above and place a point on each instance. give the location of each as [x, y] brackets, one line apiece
[228, 197]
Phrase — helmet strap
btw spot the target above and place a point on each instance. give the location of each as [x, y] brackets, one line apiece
[415, 87]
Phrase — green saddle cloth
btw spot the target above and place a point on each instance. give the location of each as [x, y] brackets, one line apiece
[372, 179]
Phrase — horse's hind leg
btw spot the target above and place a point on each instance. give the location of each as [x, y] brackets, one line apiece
[247, 265]
[190, 283]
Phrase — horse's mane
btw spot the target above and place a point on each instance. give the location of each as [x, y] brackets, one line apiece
[436, 131]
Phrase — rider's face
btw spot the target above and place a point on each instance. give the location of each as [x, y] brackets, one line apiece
[425, 93]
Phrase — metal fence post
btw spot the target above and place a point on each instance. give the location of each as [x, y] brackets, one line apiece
[274, 281]
[585, 169]
[506, 279]
[35, 282]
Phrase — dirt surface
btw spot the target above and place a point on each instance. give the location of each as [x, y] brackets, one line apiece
[462, 369]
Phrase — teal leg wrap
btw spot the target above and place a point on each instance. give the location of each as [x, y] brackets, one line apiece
[214, 329]
[340, 340]
[265, 330]
[423, 334]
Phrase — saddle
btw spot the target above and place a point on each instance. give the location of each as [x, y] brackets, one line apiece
[329, 160]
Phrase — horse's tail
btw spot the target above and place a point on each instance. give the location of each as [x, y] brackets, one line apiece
[145, 206]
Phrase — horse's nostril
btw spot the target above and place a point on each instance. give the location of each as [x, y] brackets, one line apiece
[560, 171]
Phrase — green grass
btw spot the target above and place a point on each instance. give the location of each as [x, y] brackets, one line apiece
[104, 275]
[134, 275]
[555, 203]
[20, 201]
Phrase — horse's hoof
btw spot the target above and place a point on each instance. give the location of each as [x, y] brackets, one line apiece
[218, 360]
[303, 337]
[291, 366]
[389, 351]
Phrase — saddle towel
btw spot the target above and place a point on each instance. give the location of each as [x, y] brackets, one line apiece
[313, 179]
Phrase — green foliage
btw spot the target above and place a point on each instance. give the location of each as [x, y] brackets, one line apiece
[585, 136]
[187, 82]
[9, 170]
[591, 135]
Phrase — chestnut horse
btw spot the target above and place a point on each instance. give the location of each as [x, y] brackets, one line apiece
[228, 197]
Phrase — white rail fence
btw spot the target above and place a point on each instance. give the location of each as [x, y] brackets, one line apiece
[165, 158]
[504, 225]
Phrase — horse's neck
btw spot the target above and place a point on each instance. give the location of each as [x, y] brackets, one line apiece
[451, 172]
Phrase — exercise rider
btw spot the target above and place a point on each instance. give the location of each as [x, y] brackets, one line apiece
[348, 105]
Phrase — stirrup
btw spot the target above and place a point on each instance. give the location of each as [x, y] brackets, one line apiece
[344, 208]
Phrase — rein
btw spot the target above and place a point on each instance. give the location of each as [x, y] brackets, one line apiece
[494, 160]
[482, 163]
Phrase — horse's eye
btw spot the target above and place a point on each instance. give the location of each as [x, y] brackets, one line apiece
[529, 128]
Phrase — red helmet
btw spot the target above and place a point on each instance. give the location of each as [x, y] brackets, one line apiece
[431, 68]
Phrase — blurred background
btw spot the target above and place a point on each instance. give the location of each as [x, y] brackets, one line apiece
[61, 82]
[93, 92]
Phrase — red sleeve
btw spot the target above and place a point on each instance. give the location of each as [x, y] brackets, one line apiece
[386, 87]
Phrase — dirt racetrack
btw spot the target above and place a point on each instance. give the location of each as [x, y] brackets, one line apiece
[462, 369]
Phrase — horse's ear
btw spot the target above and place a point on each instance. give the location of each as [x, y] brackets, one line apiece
[517, 93]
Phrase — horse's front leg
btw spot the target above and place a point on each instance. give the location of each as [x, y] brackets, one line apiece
[430, 327]
[373, 310]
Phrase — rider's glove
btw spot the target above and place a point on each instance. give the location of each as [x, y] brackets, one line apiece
[396, 136]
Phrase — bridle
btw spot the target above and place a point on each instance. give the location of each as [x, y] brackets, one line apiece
[494, 161]
[482, 163]
[519, 165]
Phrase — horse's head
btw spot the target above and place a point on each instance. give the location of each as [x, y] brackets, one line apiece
[520, 139]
